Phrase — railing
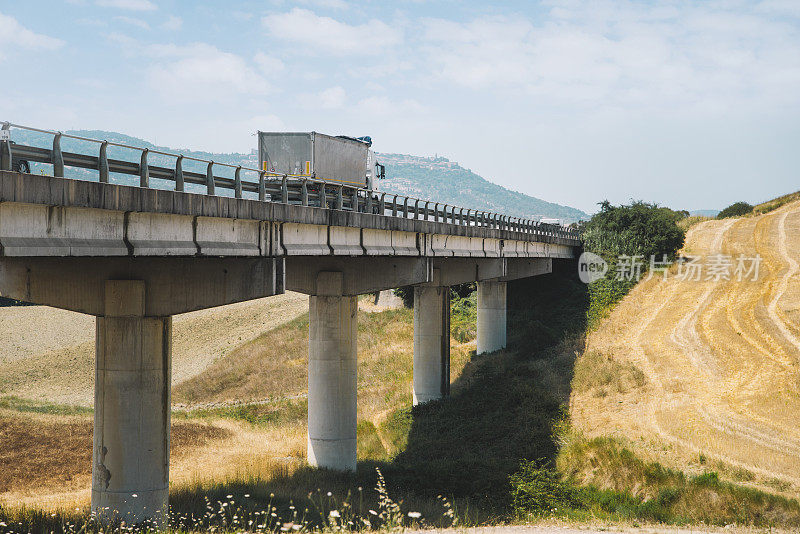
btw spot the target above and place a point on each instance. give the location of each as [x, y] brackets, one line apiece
[284, 188]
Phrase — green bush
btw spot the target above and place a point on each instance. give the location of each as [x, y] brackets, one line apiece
[464, 317]
[538, 490]
[735, 210]
[638, 229]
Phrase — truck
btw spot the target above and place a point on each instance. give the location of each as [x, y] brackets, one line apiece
[334, 159]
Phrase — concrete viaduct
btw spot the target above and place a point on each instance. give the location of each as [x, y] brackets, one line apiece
[135, 256]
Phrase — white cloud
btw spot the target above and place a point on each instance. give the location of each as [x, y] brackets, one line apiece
[268, 64]
[329, 4]
[15, 35]
[614, 54]
[200, 72]
[385, 106]
[133, 21]
[328, 36]
[172, 23]
[132, 5]
[330, 98]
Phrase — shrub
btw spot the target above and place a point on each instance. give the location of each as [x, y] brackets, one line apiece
[538, 490]
[638, 229]
[735, 210]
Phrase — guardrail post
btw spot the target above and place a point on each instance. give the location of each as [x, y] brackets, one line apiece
[435, 212]
[284, 191]
[340, 198]
[179, 173]
[354, 200]
[58, 157]
[304, 192]
[144, 170]
[262, 186]
[394, 206]
[210, 178]
[5, 150]
[323, 196]
[382, 204]
[368, 202]
[237, 182]
[102, 162]
[405, 207]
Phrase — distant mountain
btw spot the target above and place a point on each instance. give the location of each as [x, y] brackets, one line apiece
[705, 213]
[446, 181]
[437, 179]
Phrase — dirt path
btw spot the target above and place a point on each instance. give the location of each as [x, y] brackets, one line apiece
[720, 357]
[48, 354]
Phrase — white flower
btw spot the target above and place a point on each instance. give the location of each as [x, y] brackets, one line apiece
[334, 513]
[246, 495]
[134, 495]
[373, 512]
[414, 515]
[329, 494]
[229, 496]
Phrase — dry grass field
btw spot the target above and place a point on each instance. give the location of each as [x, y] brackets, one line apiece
[704, 374]
[239, 409]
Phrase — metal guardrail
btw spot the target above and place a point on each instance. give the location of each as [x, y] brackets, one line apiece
[270, 187]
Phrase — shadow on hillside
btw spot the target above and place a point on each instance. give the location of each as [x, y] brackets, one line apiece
[501, 410]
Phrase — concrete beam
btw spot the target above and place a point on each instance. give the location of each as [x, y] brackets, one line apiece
[491, 316]
[360, 274]
[456, 271]
[173, 285]
[130, 468]
[517, 268]
[332, 376]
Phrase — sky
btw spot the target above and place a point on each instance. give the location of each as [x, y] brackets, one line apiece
[690, 104]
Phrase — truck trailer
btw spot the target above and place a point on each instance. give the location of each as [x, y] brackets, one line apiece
[334, 159]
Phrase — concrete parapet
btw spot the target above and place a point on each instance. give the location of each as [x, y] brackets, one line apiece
[227, 237]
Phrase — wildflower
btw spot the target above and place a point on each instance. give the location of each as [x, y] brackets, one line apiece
[414, 515]
[246, 495]
[134, 495]
[296, 527]
[334, 513]
[329, 494]
[373, 512]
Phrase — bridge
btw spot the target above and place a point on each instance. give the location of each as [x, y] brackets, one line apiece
[135, 255]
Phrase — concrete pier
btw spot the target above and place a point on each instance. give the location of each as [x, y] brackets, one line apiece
[491, 316]
[130, 470]
[431, 342]
[332, 375]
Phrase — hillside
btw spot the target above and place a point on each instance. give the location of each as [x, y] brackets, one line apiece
[446, 181]
[702, 375]
[428, 178]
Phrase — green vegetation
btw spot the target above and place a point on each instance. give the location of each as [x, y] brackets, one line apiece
[30, 406]
[464, 317]
[735, 210]
[634, 234]
[279, 412]
[776, 203]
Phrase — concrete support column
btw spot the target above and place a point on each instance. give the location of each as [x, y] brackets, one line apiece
[130, 469]
[332, 375]
[491, 316]
[431, 342]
